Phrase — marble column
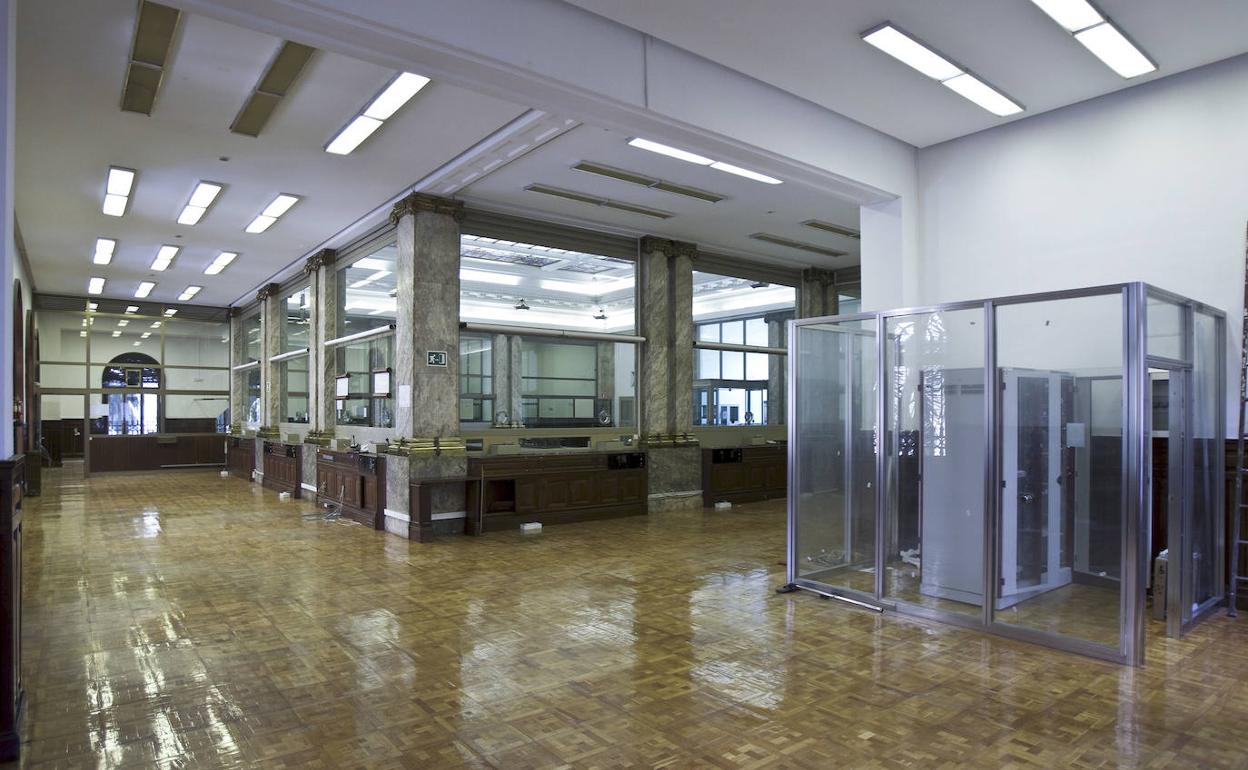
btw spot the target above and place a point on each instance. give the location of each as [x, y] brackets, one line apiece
[817, 296]
[426, 396]
[667, 374]
[322, 413]
[515, 380]
[270, 345]
[605, 376]
[238, 380]
[506, 400]
[777, 337]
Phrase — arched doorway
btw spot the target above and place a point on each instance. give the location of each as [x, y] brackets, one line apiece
[132, 412]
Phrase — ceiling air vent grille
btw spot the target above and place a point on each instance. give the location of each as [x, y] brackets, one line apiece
[273, 86]
[153, 39]
[828, 227]
[581, 197]
[801, 245]
[645, 181]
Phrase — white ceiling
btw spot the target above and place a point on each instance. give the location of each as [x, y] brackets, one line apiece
[812, 48]
[71, 64]
[72, 58]
[748, 206]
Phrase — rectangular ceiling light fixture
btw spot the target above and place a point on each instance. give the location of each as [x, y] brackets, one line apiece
[1099, 35]
[800, 245]
[164, 257]
[117, 190]
[700, 160]
[485, 276]
[272, 88]
[103, 251]
[222, 261]
[829, 227]
[145, 288]
[95, 285]
[132, 308]
[645, 181]
[588, 288]
[595, 200]
[189, 293]
[170, 312]
[280, 205]
[396, 94]
[907, 49]
[203, 196]
[149, 55]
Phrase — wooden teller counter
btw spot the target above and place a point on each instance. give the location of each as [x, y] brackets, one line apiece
[155, 451]
[508, 490]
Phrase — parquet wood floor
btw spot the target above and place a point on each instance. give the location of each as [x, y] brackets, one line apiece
[182, 620]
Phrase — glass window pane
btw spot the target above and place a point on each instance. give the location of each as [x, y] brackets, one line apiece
[253, 344]
[1061, 508]
[1165, 328]
[707, 365]
[756, 332]
[63, 336]
[756, 366]
[296, 319]
[355, 363]
[529, 284]
[733, 332]
[934, 460]
[293, 374]
[835, 433]
[708, 332]
[197, 379]
[197, 413]
[366, 289]
[1207, 515]
[733, 365]
[112, 337]
[195, 343]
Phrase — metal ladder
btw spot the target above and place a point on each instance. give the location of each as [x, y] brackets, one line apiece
[1239, 512]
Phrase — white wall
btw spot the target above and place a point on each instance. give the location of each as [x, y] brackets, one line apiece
[1146, 184]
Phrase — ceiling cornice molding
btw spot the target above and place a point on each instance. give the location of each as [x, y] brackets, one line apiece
[668, 247]
[417, 203]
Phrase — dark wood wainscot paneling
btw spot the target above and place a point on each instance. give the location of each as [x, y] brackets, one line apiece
[155, 452]
[240, 456]
[554, 489]
[356, 481]
[283, 467]
[744, 474]
[11, 692]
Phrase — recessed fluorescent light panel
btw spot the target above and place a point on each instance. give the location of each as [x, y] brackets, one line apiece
[189, 293]
[280, 205]
[701, 160]
[145, 288]
[1099, 35]
[103, 251]
[909, 51]
[164, 257]
[203, 196]
[170, 312]
[132, 308]
[222, 261]
[95, 285]
[117, 190]
[381, 108]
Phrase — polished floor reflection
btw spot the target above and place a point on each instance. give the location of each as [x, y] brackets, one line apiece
[184, 620]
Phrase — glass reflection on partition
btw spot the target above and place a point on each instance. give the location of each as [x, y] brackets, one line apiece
[934, 443]
[1205, 584]
[834, 433]
[1060, 374]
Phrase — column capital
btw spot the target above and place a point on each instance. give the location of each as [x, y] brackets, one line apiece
[322, 258]
[417, 202]
[818, 275]
[668, 247]
[778, 316]
[266, 291]
[234, 312]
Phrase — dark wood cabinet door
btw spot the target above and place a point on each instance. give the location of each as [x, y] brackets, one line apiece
[632, 485]
[553, 494]
[526, 495]
[581, 491]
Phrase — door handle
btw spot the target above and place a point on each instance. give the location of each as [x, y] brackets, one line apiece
[1027, 498]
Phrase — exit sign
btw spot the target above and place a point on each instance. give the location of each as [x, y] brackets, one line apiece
[435, 358]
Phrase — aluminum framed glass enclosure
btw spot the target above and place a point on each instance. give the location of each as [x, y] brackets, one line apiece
[1047, 467]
